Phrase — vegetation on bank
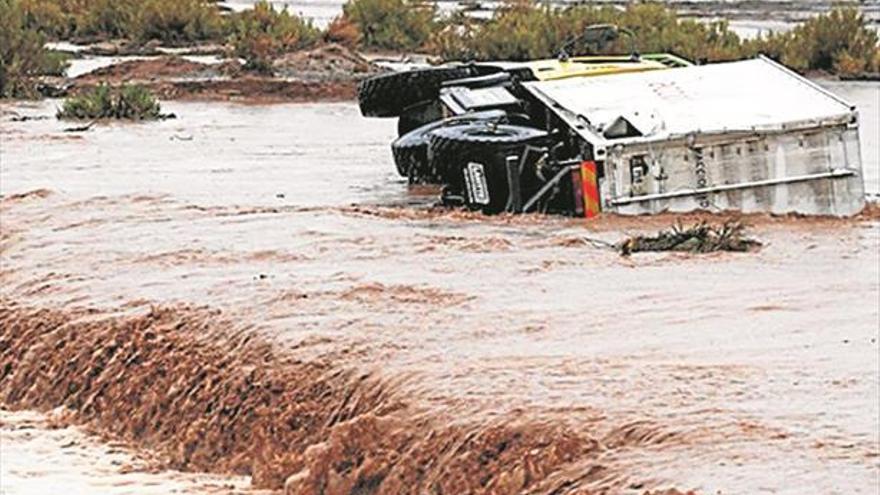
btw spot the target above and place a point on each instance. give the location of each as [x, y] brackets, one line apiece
[522, 30]
[173, 22]
[22, 54]
[837, 42]
[127, 102]
[400, 25]
[261, 34]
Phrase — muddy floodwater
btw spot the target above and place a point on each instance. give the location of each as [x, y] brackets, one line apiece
[724, 373]
[38, 454]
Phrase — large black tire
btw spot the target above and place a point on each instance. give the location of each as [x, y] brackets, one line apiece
[449, 146]
[452, 149]
[410, 153]
[410, 150]
[415, 116]
[387, 95]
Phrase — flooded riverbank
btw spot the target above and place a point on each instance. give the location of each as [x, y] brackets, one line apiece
[749, 19]
[546, 359]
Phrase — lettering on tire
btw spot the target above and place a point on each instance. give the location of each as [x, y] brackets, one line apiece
[475, 180]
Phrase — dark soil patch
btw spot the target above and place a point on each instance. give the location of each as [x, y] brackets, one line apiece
[327, 73]
[251, 89]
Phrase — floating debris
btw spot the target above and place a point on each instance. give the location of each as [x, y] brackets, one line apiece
[27, 118]
[699, 238]
[81, 128]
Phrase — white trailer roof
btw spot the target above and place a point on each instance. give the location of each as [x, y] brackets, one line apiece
[750, 95]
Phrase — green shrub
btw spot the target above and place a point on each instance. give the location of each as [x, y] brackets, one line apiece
[169, 21]
[839, 42]
[262, 33]
[174, 22]
[22, 54]
[658, 29]
[129, 102]
[50, 17]
[54, 63]
[105, 19]
[520, 30]
[391, 24]
[81, 19]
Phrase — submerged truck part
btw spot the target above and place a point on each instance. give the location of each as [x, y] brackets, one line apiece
[750, 136]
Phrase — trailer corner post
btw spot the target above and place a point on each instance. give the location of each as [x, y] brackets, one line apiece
[590, 189]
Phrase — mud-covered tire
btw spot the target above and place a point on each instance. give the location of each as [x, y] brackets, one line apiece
[387, 95]
[451, 149]
[410, 150]
[410, 153]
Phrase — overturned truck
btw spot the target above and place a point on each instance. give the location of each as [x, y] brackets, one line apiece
[751, 136]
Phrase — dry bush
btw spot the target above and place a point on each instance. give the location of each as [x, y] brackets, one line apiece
[343, 32]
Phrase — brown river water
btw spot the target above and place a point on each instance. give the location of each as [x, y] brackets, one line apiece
[251, 291]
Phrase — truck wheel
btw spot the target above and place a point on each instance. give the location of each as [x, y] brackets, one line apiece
[411, 155]
[415, 116]
[410, 150]
[451, 145]
[470, 159]
[387, 95]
